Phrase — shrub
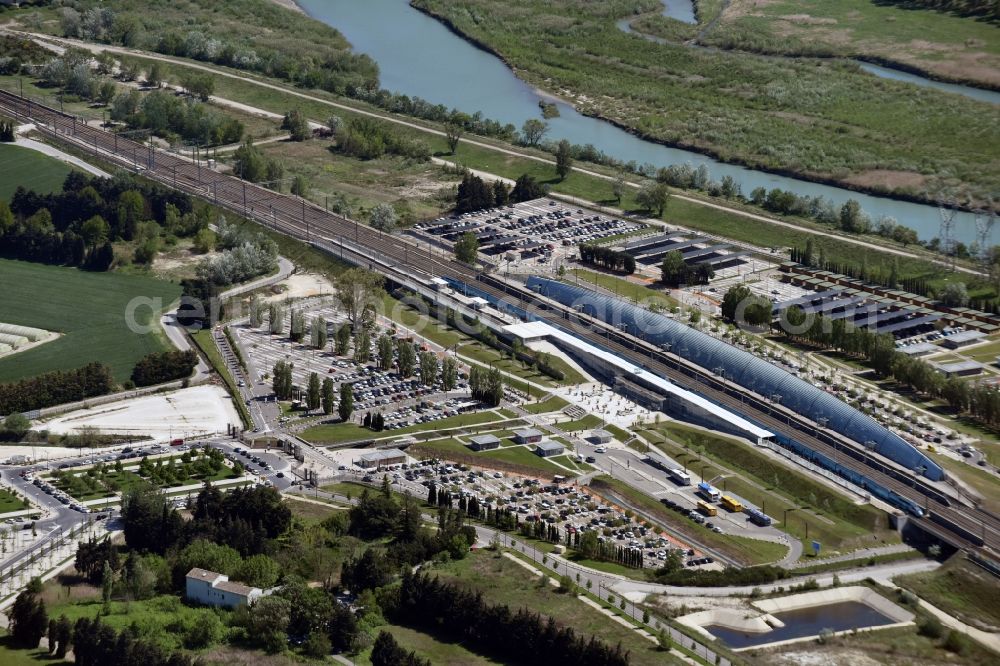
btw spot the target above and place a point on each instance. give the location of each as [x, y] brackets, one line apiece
[931, 627]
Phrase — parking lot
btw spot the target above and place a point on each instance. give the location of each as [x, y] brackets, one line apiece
[540, 232]
[403, 401]
[572, 509]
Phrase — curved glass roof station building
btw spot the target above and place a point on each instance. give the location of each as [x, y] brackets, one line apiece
[743, 368]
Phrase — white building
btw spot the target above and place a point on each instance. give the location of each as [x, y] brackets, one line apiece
[215, 589]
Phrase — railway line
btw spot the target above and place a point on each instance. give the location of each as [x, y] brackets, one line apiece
[959, 525]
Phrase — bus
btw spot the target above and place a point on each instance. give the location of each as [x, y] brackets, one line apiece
[707, 509]
[758, 517]
[680, 477]
[731, 504]
[708, 492]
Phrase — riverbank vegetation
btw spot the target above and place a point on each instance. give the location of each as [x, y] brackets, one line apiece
[947, 40]
[817, 119]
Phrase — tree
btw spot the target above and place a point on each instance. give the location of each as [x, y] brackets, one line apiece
[343, 340]
[449, 373]
[313, 392]
[300, 186]
[107, 585]
[467, 248]
[526, 188]
[453, 134]
[317, 645]
[155, 76]
[533, 130]
[385, 352]
[28, 620]
[653, 196]
[564, 159]
[741, 305]
[320, 332]
[327, 397]
[276, 319]
[618, 187]
[343, 628]
[362, 346]
[383, 218]
[204, 242]
[359, 291]
[297, 125]
[407, 358]
[955, 294]
[851, 216]
[297, 326]
[106, 92]
[346, 406]
[268, 619]
[281, 380]
[16, 425]
[428, 368]
[673, 270]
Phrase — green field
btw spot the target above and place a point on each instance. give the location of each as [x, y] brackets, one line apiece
[645, 296]
[88, 310]
[33, 170]
[553, 403]
[10, 502]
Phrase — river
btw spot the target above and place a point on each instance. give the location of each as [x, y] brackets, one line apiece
[420, 57]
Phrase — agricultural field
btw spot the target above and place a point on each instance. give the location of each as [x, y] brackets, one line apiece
[822, 119]
[89, 312]
[30, 169]
[943, 44]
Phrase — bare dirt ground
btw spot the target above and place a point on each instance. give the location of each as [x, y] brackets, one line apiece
[301, 285]
[889, 179]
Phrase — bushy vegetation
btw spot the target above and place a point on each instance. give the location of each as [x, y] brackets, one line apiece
[161, 367]
[368, 138]
[176, 118]
[245, 255]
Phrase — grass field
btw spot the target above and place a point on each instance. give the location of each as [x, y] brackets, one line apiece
[637, 293]
[428, 647]
[89, 310]
[346, 432]
[33, 170]
[551, 404]
[11, 502]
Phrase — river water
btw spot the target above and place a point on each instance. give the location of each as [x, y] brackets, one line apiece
[420, 57]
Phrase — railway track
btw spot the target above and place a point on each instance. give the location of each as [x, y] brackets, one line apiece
[965, 527]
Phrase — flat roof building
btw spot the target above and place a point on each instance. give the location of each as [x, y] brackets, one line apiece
[960, 368]
[527, 436]
[601, 436]
[548, 449]
[484, 442]
[379, 459]
[963, 339]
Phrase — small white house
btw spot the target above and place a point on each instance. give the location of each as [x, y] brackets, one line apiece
[215, 589]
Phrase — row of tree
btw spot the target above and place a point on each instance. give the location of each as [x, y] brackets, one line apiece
[6, 131]
[474, 194]
[56, 388]
[35, 239]
[606, 257]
